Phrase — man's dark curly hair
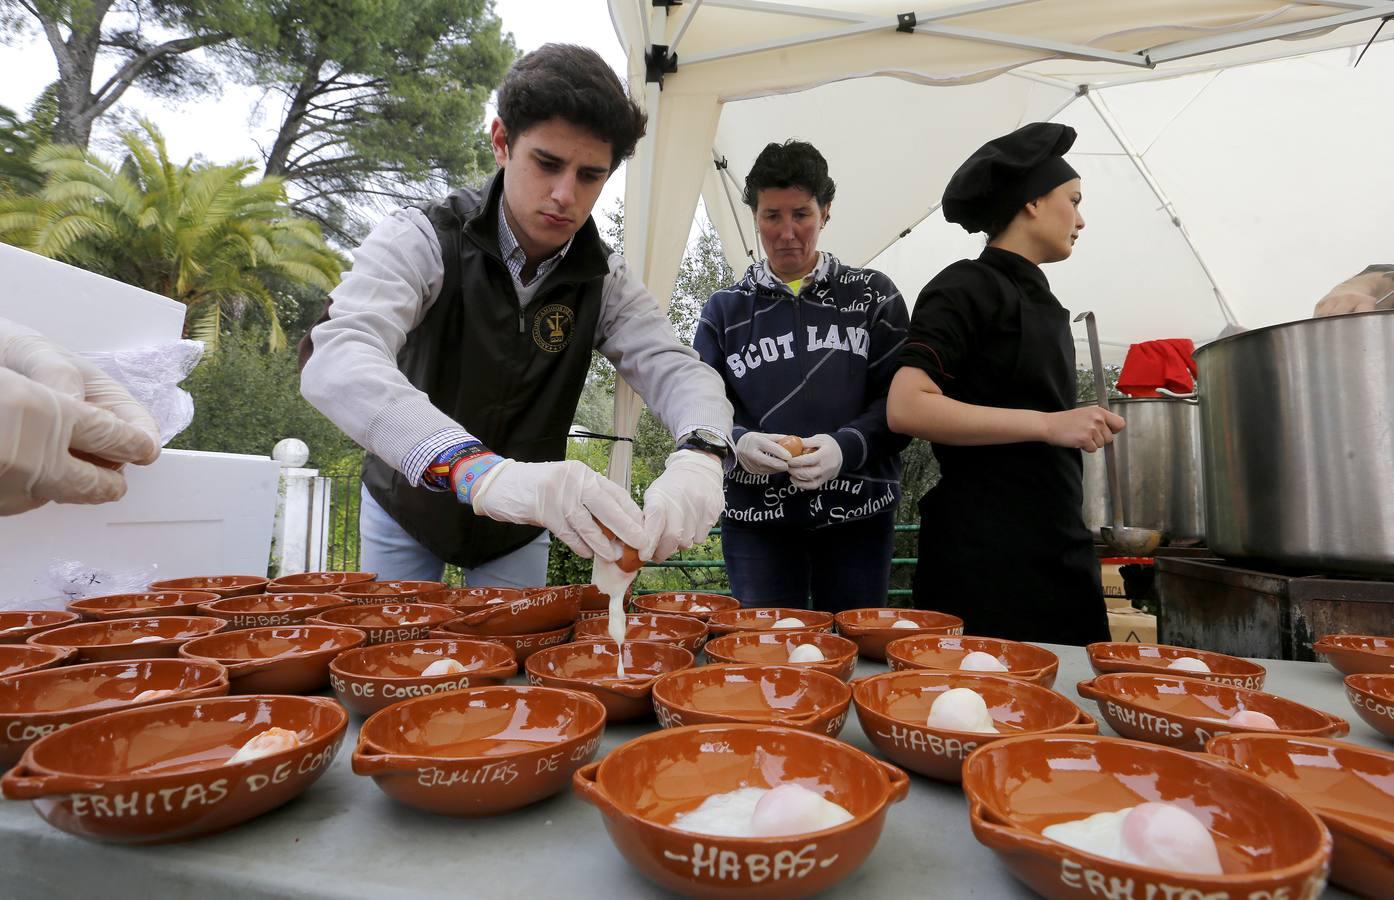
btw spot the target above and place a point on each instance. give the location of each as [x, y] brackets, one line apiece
[793, 163]
[573, 83]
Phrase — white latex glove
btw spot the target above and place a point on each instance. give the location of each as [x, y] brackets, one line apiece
[760, 454]
[40, 428]
[821, 461]
[567, 498]
[682, 504]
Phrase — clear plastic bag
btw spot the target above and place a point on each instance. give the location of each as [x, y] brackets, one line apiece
[152, 375]
[76, 580]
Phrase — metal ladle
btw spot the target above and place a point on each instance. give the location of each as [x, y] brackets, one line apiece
[1128, 541]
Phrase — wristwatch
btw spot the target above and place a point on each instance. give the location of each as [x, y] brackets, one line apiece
[707, 441]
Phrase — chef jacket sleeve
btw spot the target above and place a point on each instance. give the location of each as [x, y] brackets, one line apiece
[949, 317]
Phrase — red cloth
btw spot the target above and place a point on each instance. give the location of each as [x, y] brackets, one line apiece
[1167, 363]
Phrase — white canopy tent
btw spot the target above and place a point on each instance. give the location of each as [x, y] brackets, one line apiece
[864, 81]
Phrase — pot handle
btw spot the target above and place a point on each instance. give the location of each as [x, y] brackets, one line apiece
[589, 790]
[1090, 690]
[20, 784]
[998, 836]
[1188, 397]
[899, 781]
[368, 760]
[1083, 723]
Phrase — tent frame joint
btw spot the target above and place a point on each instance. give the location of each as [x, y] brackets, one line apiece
[659, 61]
[905, 22]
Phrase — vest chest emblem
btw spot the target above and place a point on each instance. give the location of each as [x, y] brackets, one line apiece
[552, 326]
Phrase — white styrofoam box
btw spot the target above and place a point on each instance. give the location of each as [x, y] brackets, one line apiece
[81, 310]
[190, 513]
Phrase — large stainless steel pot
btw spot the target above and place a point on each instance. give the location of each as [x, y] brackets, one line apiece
[1159, 468]
[1298, 435]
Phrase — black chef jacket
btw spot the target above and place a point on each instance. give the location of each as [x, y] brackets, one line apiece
[1002, 537]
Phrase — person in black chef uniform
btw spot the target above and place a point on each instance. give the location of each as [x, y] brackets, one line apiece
[988, 375]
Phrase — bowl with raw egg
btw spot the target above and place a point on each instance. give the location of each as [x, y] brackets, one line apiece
[768, 618]
[151, 637]
[265, 610]
[595, 603]
[480, 751]
[994, 656]
[742, 810]
[174, 771]
[368, 678]
[285, 659]
[685, 631]
[1106, 657]
[594, 667]
[18, 626]
[1357, 654]
[1350, 788]
[317, 582]
[17, 659]
[541, 609]
[875, 627]
[149, 603]
[928, 721]
[40, 703]
[819, 650]
[1076, 816]
[682, 603]
[791, 696]
[1373, 698]
[222, 585]
[389, 622]
[369, 593]
[1186, 713]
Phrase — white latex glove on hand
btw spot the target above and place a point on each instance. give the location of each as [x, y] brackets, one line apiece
[567, 498]
[39, 429]
[760, 454]
[682, 504]
[821, 461]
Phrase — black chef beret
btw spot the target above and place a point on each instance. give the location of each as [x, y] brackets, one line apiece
[1006, 173]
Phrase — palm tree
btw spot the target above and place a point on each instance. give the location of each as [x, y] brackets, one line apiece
[196, 233]
[17, 145]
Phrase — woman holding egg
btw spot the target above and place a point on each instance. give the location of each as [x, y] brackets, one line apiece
[806, 347]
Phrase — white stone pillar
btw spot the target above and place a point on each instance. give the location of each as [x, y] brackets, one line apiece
[298, 543]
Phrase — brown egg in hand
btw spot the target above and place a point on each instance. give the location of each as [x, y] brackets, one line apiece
[793, 443]
[629, 559]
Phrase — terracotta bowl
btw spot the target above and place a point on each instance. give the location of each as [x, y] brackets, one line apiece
[641, 786]
[521, 645]
[480, 751]
[1025, 662]
[771, 648]
[389, 622]
[17, 659]
[685, 631]
[872, 628]
[117, 639]
[266, 610]
[1350, 788]
[1358, 654]
[18, 627]
[595, 603]
[682, 604]
[1186, 712]
[1107, 657]
[1373, 698]
[476, 598]
[756, 618]
[368, 593]
[161, 773]
[288, 659]
[893, 710]
[795, 697]
[1269, 844]
[38, 704]
[133, 606]
[541, 609]
[591, 667]
[369, 678]
[317, 582]
[222, 585]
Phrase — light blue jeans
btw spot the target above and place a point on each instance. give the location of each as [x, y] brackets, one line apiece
[394, 555]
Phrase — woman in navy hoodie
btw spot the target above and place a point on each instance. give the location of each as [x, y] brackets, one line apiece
[807, 347]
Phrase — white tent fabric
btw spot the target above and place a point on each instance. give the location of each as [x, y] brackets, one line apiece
[873, 99]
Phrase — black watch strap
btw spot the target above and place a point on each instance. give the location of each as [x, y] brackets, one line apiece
[703, 440]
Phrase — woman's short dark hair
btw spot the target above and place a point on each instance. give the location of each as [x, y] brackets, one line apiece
[793, 163]
[564, 81]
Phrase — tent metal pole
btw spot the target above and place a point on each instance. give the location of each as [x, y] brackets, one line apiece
[645, 10]
[682, 29]
[1231, 40]
[1053, 48]
[1140, 164]
[728, 181]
